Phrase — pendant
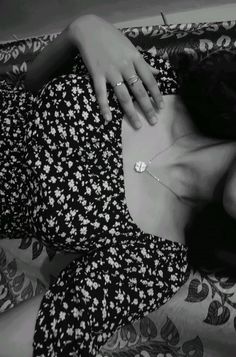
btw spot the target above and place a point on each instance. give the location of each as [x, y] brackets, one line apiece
[140, 166]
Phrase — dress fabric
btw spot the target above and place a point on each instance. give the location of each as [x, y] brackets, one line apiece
[63, 183]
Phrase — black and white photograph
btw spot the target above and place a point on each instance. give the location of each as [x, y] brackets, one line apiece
[117, 178]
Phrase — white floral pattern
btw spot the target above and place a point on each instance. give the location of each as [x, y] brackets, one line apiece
[64, 184]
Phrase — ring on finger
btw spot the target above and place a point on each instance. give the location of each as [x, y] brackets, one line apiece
[132, 80]
[135, 79]
[118, 84]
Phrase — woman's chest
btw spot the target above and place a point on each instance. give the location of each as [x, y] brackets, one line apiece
[152, 207]
[139, 146]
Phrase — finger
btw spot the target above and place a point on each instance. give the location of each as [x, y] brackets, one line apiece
[156, 71]
[141, 95]
[125, 100]
[143, 70]
[100, 88]
[153, 70]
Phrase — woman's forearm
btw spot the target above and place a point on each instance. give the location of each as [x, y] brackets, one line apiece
[52, 59]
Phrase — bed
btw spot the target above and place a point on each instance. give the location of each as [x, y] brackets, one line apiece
[200, 320]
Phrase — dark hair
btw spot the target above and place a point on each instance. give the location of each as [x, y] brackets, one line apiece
[211, 239]
[207, 87]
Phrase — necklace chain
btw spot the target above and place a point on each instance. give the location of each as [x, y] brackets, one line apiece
[169, 146]
[144, 166]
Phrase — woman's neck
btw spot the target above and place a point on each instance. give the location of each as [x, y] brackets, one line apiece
[174, 120]
[185, 168]
[193, 155]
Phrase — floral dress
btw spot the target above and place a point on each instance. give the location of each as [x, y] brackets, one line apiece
[62, 181]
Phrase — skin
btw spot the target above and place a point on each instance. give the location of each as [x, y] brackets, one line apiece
[193, 168]
[229, 197]
[106, 63]
[17, 328]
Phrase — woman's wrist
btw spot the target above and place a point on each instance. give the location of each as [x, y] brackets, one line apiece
[74, 30]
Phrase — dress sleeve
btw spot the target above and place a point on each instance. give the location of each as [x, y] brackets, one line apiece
[15, 108]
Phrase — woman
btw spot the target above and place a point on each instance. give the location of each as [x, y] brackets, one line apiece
[121, 197]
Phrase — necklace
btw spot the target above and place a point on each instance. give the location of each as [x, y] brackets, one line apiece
[141, 166]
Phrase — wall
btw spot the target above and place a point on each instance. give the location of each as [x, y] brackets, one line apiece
[32, 17]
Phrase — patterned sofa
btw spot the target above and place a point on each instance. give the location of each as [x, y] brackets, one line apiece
[200, 320]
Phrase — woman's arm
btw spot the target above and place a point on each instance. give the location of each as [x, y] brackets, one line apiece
[229, 195]
[110, 57]
[51, 60]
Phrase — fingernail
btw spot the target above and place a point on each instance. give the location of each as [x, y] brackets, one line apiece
[138, 125]
[153, 120]
[107, 116]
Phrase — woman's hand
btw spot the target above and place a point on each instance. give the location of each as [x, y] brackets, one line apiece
[110, 57]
